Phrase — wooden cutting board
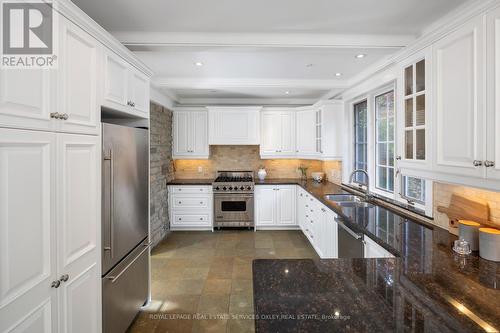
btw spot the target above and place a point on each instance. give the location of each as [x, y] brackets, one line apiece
[462, 208]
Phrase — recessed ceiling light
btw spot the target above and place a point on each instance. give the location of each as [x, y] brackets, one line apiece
[338, 74]
[287, 92]
[360, 56]
[198, 63]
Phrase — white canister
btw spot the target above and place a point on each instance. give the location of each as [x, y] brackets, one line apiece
[469, 230]
[262, 173]
[489, 244]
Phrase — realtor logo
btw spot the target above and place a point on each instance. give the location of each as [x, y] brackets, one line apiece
[28, 34]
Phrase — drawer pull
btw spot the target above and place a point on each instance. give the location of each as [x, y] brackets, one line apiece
[201, 218]
[180, 202]
[201, 202]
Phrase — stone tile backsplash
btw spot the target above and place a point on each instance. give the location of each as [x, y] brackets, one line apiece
[248, 158]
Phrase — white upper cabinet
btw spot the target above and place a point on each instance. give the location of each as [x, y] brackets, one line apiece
[234, 125]
[190, 133]
[27, 98]
[79, 107]
[459, 101]
[306, 133]
[492, 162]
[277, 134]
[139, 91]
[414, 112]
[330, 129]
[125, 88]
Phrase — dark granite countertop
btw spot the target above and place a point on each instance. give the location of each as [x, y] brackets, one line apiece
[191, 181]
[425, 288]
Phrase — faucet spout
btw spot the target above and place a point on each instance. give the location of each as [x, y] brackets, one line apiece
[367, 182]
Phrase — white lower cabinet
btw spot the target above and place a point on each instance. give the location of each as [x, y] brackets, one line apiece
[373, 250]
[317, 222]
[190, 207]
[49, 232]
[275, 206]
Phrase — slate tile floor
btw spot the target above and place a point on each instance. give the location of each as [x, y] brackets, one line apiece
[209, 275]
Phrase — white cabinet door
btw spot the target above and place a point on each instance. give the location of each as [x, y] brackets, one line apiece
[270, 133]
[181, 134]
[27, 97]
[199, 134]
[115, 81]
[265, 205]
[459, 108]
[287, 125]
[78, 80]
[234, 125]
[286, 197]
[78, 222]
[493, 113]
[330, 237]
[139, 91]
[27, 231]
[306, 133]
[301, 209]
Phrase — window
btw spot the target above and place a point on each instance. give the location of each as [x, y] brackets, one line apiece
[414, 111]
[413, 189]
[384, 141]
[360, 140]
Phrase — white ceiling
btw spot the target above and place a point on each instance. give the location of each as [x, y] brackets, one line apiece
[255, 51]
[281, 16]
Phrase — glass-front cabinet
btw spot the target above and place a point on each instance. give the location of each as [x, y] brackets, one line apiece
[414, 112]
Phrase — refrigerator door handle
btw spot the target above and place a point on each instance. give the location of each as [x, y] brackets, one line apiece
[117, 276]
[111, 202]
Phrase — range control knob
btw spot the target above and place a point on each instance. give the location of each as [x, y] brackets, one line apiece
[249, 188]
[224, 188]
[242, 188]
[217, 188]
[230, 188]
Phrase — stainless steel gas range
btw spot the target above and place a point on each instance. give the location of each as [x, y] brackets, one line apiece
[233, 199]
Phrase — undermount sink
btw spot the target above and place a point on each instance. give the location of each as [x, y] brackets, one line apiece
[348, 200]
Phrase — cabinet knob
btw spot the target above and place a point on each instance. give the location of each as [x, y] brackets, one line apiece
[55, 284]
[477, 163]
[180, 202]
[489, 164]
[201, 202]
[201, 218]
[64, 278]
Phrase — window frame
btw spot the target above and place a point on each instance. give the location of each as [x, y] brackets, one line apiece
[397, 194]
[354, 137]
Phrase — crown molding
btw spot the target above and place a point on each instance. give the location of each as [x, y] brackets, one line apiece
[430, 35]
[73, 13]
[136, 38]
[272, 102]
[214, 83]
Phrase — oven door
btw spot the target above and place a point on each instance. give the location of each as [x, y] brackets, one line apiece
[233, 208]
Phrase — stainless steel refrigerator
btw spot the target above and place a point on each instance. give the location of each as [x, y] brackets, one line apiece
[125, 247]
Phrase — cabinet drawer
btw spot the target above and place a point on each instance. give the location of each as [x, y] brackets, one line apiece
[185, 219]
[189, 201]
[190, 189]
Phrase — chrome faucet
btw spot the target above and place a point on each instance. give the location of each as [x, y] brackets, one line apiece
[367, 183]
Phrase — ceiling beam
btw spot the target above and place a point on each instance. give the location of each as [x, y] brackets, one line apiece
[221, 83]
[136, 38]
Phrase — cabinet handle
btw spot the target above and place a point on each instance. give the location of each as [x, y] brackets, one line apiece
[55, 284]
[489, 164]
[64, 278]
[477, 163]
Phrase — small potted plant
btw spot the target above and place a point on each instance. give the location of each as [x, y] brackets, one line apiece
[303, 172]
